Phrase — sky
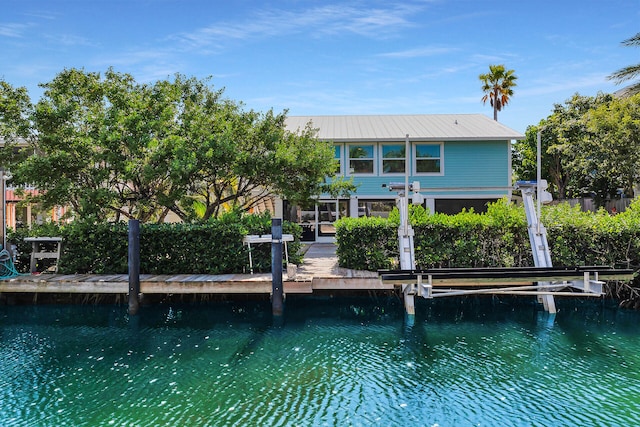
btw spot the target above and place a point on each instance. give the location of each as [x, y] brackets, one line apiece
[329, 57]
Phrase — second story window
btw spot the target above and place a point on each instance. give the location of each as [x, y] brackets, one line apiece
[428, 158]
[361, 159]
[393, 158]
[338, 156]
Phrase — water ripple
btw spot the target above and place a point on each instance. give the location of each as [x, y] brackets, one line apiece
[359, 370]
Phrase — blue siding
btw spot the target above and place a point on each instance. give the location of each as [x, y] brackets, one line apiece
[465, 164]
[476, 164]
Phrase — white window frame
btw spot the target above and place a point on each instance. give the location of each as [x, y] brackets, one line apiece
[414, 150]
[373, 159]
[382, 159]
[340, 158]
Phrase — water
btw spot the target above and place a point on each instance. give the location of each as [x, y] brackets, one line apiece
[332, 363]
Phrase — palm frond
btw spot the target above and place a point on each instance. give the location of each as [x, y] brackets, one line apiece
[630, 72]
[632, 41]
[626, 73]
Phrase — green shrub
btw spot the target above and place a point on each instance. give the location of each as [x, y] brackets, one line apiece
[367, 243]
[212, 248]
[497, 238]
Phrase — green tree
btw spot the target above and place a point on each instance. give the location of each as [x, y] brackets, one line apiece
[614, 149]
[15, 123]
[15, 112]
[232, 159]
[630, 72]
[590, 146]
[111, 148]
[564, 135]
[554, 158]
[101, 145]
[497, 86]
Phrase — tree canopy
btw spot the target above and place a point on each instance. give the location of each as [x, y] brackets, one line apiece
[15, 108]
[590, 147]
[114, 148]
[497, 86]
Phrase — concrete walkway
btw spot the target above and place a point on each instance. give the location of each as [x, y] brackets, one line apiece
[320, 261]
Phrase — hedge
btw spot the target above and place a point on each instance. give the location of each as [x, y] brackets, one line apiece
[497, 238]
[212, 248]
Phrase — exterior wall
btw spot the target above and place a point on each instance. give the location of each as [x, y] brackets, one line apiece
[18, 214]
[466, 167]
[471, 174]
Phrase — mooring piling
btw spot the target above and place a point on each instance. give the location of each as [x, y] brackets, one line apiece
[277, 294]
[134, 266]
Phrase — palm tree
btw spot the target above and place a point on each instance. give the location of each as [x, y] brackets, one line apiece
[497, 85]
[627, 73]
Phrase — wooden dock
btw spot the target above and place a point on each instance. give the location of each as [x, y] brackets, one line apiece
[183, 284]
[246, 284]
[318, 273]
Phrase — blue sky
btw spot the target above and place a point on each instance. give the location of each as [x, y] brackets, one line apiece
[317, 57]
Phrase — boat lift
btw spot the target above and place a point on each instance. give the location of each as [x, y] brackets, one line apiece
[543, 281]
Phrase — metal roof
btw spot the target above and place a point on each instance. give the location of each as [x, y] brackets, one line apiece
[419, 127]
[20, 142]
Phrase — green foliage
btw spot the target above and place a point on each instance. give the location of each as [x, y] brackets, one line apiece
[417, 214]
[590, 146]
[584, 238]
[367, 243]
[15, 108]
[497, 238]
[112, 148]
[472, 240]
[614, 151]
[211, 248]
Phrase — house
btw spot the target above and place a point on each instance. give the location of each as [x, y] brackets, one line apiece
[459, 160]
[15, 212]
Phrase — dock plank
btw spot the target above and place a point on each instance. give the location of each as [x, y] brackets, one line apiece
[291, 287]
[200, 287]
[342, 283]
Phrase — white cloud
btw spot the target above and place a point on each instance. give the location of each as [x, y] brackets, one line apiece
[419, 52]
[70, 40]
[564, 84]
[330, 19]
[14, 30]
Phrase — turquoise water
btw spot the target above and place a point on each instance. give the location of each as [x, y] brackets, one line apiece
[355, 362]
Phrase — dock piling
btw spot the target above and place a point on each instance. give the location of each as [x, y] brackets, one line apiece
[277, 294]
[134, 266]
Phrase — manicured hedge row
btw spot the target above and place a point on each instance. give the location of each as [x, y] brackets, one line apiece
[497, 238]
[366, 243]
[583, 238]
[212, 248]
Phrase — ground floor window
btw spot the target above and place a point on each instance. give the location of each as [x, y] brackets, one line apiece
[317, 219]
[454, 206]
[378, 208]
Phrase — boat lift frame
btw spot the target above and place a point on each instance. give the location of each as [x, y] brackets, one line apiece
[542, 281]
